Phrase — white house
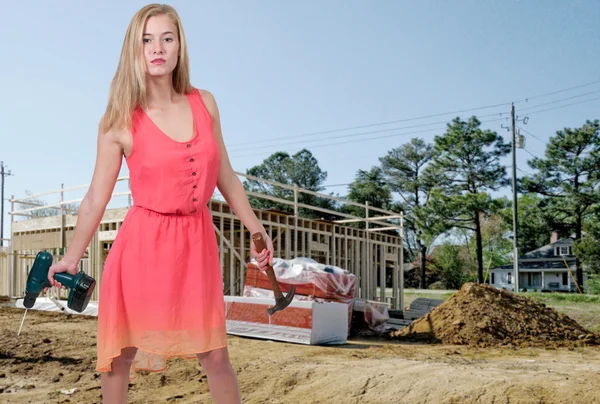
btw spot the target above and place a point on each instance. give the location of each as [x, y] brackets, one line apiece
[550, 268]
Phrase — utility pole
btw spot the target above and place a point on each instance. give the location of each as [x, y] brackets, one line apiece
[518, 141]
[515, 210]
[3, 173]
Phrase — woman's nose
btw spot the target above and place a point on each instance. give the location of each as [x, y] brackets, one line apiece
[158, 49]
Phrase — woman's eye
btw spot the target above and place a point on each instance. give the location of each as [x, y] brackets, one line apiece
[168, 39]
[146, 40]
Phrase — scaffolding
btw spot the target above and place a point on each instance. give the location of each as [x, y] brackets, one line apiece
[373, 252]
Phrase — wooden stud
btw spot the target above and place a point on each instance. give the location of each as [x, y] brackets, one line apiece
[232, 274]
[242, 261]
[221, 244]
[357, 250]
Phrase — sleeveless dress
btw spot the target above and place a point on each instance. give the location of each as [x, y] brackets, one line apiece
[161, 288]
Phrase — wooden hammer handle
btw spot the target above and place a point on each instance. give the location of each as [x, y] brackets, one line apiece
[260, 245]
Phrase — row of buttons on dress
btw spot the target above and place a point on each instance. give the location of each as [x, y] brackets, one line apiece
[193, 174]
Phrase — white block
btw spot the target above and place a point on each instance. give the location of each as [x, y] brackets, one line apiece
[45, 304]
[303, 322]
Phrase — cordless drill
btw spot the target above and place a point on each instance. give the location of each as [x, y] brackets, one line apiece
[81, 285]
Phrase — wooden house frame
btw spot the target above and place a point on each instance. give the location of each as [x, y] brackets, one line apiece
[370, 252]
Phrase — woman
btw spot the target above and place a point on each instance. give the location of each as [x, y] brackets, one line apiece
[161, 292]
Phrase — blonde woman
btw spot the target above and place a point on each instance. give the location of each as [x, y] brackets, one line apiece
[161, 291]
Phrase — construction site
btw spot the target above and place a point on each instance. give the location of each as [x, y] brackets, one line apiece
[366, 252]
[351, 335]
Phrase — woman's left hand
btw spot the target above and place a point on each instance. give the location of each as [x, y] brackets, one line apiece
[265, 256]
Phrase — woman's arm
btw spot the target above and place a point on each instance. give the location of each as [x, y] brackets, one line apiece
[232, 189]
[108, 164]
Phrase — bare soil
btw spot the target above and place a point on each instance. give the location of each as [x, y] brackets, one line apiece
[56, 353]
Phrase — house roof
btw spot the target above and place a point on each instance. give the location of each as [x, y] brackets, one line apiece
[544, 258]
[547, 251]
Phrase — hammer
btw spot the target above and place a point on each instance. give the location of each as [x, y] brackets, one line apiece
[281, 301]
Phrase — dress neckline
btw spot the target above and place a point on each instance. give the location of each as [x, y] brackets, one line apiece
[194, 123]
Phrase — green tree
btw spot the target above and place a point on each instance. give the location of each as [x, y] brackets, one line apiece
[496, 241]
[368, 187]
[534, 226]
[405, 172]
[449, 263]
[302, 170]
[467, 159]
[568, 177]
[587, 249]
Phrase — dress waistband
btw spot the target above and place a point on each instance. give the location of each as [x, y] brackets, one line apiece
[177, 213]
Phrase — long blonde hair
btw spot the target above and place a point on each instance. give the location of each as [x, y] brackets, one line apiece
[128, 87]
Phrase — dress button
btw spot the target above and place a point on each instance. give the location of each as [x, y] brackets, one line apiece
[192, 159]
[194, 200]
[195, 186]
[194, 173]
[193, 211]
[189, 145]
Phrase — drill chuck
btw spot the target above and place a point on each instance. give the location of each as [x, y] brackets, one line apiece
[29, 299]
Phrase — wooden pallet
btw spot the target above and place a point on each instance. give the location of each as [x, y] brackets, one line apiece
[420, 307]
[396, 323]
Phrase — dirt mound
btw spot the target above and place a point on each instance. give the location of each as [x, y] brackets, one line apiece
[483, 316]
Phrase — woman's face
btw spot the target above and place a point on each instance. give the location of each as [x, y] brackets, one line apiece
[161, 45]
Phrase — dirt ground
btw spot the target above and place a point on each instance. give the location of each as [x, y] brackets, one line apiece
[54, 354]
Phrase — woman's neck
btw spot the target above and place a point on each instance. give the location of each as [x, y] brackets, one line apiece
[160, 92]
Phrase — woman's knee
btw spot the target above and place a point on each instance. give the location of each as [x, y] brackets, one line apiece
[127, 356]
[215, 360]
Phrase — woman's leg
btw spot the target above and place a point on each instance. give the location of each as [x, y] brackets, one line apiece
[115, 382]
[222, 380]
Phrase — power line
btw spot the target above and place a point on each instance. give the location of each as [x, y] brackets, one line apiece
[562, 91]
[523, 171]
[362, 140]
[354, 134]
[350, 141]
[429, 124]
[378, 124]
[563, 106]
[411, 133]
[421, 117]
[562, 99]
[531, 154]
[518, 169]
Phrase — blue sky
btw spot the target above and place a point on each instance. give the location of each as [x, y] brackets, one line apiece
[282, 70]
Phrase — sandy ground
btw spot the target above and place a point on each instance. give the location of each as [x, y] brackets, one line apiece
[55, 353]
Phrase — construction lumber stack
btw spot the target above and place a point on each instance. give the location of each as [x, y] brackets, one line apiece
[310, 278]
[303, 322]
[420, 307]
[322, 303]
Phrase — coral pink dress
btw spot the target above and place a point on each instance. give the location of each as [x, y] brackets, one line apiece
[161, 288]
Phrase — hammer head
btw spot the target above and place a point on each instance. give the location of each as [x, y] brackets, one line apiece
[282, 301]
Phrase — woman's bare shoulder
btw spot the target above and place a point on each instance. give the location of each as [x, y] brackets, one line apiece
[114, 134]
[119, 137]
[209, 100]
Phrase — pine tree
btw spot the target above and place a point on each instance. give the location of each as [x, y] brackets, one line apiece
[568, 177]
[467, 162]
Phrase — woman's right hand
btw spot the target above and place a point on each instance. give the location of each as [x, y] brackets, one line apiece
[63, 265]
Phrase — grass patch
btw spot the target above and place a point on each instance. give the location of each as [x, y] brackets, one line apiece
[563, 297]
